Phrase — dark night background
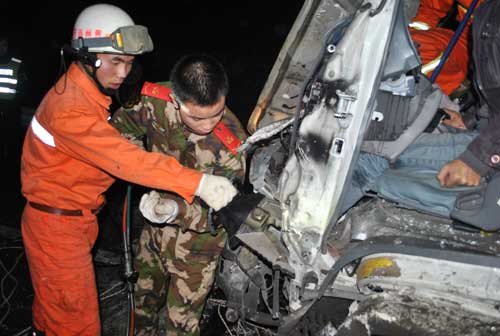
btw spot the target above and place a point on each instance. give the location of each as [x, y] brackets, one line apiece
[246, 36]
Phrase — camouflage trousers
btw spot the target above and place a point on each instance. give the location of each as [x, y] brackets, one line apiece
[176, 269]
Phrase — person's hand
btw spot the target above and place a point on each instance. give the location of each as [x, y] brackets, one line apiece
[158, 210]
[216, 191]
[456, 173]
[455, 119]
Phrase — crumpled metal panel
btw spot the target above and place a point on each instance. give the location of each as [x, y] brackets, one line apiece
[385, 314]
[279, 97]
[381, 218]
[313, 179]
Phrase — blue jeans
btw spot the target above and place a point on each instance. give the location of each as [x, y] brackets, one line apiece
[418, 164]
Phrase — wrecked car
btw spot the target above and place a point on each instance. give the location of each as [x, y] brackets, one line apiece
[348, 78]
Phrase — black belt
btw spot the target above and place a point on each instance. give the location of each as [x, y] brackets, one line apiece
[62, 212]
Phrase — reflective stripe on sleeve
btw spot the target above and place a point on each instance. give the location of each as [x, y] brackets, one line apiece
[7, 90]
[42, 133]
[431, 65]
[8, 80]
[418, 25]
[6, 72]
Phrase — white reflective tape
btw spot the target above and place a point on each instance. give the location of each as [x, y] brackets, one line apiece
[42, 133]
[8, 80]
[462, 8]
[17, 60]
[419, 25]
[431, 65]
[7, 90]
[6, 72]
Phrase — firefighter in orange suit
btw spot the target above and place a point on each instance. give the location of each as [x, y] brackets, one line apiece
[433, 40]
[72, 155]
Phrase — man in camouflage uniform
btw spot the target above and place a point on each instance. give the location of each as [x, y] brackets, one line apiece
[178, 254]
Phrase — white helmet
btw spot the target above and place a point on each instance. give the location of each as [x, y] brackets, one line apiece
[104, 28]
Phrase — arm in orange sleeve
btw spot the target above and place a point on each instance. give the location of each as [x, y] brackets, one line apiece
[90, 138]
[431, 11]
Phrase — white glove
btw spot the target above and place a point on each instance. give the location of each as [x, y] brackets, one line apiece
[216, 191]
[157, 209]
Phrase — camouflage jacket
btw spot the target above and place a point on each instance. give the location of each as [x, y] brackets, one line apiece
[156, 123]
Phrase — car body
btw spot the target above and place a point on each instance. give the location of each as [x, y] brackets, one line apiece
[348, 79]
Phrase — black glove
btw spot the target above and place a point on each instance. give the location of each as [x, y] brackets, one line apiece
[235, 213]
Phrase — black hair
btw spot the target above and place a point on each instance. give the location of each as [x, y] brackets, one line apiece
[199, 79]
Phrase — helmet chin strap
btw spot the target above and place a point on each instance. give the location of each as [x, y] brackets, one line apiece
[88, 59]
[91, 71]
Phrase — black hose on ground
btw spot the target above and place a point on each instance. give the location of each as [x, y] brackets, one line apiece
[129, 275]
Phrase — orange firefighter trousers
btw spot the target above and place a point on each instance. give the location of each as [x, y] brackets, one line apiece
[58, 249]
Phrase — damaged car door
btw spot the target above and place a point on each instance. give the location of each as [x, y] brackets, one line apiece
[348, 79]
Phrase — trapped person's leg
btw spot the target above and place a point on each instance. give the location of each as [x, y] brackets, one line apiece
[434, 150]
[413, 181]
[366, 171]
[430, 151]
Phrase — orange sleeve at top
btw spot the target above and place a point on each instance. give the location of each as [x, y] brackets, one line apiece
[431, 46]
[96, 142]
[431, 11]
[76, 154]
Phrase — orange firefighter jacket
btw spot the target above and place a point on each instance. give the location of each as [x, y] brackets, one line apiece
[72, 155]
[431, 12]
[433, 41]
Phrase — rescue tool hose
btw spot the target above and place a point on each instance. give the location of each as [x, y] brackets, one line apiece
[130, 275]
[454, 40]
